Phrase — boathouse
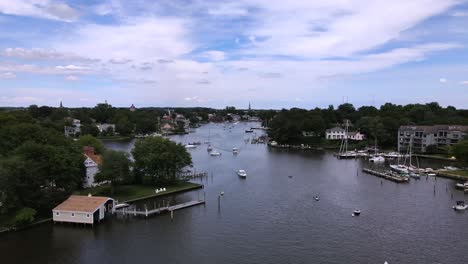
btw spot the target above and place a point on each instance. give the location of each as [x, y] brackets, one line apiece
[83, 209]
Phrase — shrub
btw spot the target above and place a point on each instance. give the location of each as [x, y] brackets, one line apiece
[25, 216]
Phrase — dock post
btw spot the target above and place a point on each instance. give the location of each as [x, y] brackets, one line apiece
[198, 196]
[146, 212]
[172, 214]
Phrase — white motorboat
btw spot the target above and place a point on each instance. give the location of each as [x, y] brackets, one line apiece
[317, 198]
[460, 206]
[190, 146]
[235, 151]
[415, 175]
[356, 212]
[402, 169]
[462, 185]
[242, 173]
[377, 159]
[209, 148]
[273, 143]
[215, 153]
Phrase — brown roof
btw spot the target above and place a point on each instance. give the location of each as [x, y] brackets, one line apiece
[95, 158]
[79, 203]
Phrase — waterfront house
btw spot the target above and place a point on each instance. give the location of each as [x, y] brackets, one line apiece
[74, 129]
[92, 162]
[83, 209]
[340, 133]
[437, 136]
[104, 127]
[132, 108]
[166, 128]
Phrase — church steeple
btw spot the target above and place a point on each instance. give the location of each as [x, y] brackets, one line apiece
[61, 105]
[249, 106]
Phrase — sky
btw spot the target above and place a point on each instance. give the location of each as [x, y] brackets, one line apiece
[271, 53]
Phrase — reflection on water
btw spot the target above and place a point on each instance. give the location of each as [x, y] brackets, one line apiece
[268, 217]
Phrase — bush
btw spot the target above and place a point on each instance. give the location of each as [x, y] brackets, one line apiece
[25, 216]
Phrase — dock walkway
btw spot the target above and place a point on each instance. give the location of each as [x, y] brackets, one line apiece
[146, 213]
[387, 176]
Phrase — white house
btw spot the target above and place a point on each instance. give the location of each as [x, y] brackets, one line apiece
[92, 162]
[355, 136]
[340, 133]
[74, 129]
[83, 209]
[105, 127]
[335, 133]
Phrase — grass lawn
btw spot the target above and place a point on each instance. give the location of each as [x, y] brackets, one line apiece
[133, 192]
[463, 173]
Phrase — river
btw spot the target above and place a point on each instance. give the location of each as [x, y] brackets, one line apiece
[268, 217]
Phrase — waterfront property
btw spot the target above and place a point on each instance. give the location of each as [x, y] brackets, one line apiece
[340, 133]
[74, 129]
[91, 163]
[422, 137]
[82, 209]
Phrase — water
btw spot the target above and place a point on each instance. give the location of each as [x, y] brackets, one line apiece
[268, 217]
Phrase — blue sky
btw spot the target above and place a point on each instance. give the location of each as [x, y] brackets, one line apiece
[273, 53]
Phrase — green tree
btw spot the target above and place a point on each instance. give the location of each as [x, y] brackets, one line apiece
[460, 151]
[124, 127]
[88, 140]
[115, 168]
[89, 129]
[159, 159]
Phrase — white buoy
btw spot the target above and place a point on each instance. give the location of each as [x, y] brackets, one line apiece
[221, 193]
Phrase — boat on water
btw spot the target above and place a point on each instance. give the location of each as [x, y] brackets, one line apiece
[343, 152]
[215, 153]
[249, 131]
[401, 169]
[190, 146]
[316, 198]
[242, 173]
[461, 185]
[415, 175]
[377, 159]
[209, 148]
[348, 155]
[460, 206]
[356, 212]
[235, 151]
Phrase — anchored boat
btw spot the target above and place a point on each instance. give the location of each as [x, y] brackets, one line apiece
[242, 173]
[460, 206]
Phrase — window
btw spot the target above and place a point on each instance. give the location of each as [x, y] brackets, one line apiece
[87, 215]
[73, 214]
[57, 213]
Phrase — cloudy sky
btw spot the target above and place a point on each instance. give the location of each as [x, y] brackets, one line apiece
[272, 53]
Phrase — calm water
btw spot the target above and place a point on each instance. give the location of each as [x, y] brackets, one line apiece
[268, 217]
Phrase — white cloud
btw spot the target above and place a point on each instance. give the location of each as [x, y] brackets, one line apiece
[119, 60]
[72, 78]
[7, 75]
[443, 80]
[214, 55]
[464, 82]
[42, 54]
[228, 9]
[48, 9]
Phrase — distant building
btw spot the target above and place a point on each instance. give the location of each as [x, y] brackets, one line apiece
[132, 108]
[92, 162]
[167, 128]
[83, 209]
[105, 127]
[340, 133]
[421, 137]
[74, 129]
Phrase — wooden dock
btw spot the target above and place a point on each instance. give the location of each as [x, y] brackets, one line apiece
[146, 212]
[387, 176]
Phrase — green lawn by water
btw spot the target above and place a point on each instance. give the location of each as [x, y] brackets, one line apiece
[463, 173]
[132, 192]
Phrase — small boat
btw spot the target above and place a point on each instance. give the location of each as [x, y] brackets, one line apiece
[356, 212]
[415, 175]
[460, 206]
[348, 155]
[215, 153]
[209, 148]
[377, 159]
[221, 193]
[290, 176]
[190, 146]
[400, 169]
[317, 198]
[249, 131]
[242, 173]
[235, 151]
[462, 185]
[121, 205]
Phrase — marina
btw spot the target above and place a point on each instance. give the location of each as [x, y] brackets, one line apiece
[302, 200]
[387, 175]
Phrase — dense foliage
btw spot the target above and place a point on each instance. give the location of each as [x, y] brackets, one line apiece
[159, 159]
[381, 124]
[115, 168]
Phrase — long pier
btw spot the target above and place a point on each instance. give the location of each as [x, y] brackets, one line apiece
[146, 212]
[387, 176]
